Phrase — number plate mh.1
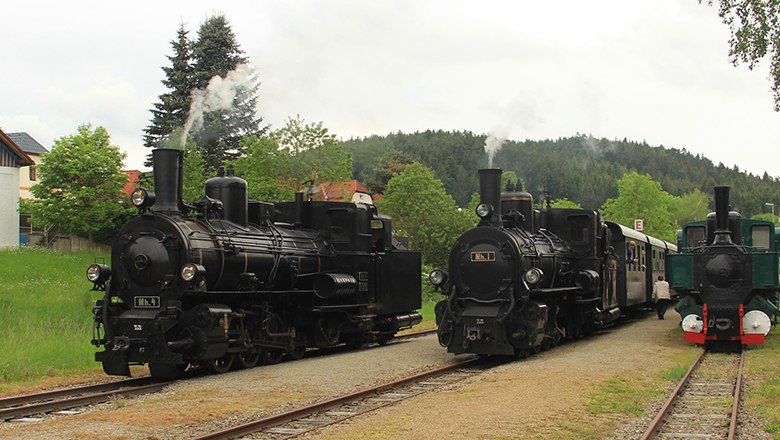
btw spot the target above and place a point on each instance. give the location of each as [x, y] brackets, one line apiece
[483, 257]
[147, 302]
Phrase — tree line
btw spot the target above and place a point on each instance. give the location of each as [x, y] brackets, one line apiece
[428, 179]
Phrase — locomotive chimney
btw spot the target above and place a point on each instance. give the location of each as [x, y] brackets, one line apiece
[722, 231]
[167, 179]
[490, 193]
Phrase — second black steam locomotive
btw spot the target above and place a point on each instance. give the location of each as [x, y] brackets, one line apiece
[229, 281]
[523, 279]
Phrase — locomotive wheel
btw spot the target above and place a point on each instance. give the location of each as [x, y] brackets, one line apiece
[271, 357]
[248, 359]
[223, 364]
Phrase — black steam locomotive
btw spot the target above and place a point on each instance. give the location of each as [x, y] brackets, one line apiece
[229, 281]
[727, 277]
[524, 279]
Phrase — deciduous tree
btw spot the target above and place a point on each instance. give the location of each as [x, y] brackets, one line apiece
[80, 185]
[424, 212]
[755, 33]
[641, 197]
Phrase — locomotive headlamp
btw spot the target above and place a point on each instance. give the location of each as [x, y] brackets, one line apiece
[484, 210]
[192, 271]
[533, 275]
[142, 198]
[98, 273]
[437, 277]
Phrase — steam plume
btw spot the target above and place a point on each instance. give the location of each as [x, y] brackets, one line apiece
[492, 144]
[218, 95]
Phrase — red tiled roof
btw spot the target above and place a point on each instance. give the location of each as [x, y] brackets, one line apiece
[133, 176]
[340, 191]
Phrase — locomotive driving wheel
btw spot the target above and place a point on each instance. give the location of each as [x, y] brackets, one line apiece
[249, 358]
[223, 364]
[272, 327]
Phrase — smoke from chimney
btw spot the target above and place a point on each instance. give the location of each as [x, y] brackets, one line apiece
[218, 95]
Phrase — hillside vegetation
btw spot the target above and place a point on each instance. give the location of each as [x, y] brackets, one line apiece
[580, 168]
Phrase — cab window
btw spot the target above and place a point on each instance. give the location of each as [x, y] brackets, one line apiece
[761, 235]
[695, 236]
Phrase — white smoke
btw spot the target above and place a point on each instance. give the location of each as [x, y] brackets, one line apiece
[493, 144]
[218, 95]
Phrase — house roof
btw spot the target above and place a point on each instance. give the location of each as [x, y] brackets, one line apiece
[27, 143]
[335, 191]
[22, 159]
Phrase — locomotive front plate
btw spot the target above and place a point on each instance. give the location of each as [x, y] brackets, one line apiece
[147, 302]
[483, 257]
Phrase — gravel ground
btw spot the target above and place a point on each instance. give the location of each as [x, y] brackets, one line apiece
[541, 397]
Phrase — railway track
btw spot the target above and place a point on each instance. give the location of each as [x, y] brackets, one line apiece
[705, 404]
[20, 407]
[62, 400]
[309, 418]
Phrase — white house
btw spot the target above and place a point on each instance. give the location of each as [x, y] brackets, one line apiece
[28, 175]
[11, 159]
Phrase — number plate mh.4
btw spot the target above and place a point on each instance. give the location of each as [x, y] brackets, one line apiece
[147, 302]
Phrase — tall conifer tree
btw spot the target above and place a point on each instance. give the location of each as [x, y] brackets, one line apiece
[171, 111]
[217, 53]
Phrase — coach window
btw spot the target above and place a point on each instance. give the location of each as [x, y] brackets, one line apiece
[761, 235]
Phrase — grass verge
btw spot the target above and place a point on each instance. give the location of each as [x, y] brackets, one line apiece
[762, 368]
[45, 316]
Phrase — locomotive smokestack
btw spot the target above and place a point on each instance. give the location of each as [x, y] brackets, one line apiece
[490, 192]
[167, 179]
[722, 231]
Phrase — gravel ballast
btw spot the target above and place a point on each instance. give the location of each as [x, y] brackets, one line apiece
[543, 396]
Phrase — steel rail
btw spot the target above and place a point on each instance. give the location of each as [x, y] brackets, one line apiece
[73, 402]
[737, 397]
[655, 425]
[257, 425]
[7, 402]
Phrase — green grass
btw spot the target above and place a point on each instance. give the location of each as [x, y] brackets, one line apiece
[629, 395]
[45, 314]
[762, 366]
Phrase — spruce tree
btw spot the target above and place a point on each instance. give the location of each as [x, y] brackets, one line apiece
[217, 53]
[171, 111]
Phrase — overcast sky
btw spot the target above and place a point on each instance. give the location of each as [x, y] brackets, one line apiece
[656, 70]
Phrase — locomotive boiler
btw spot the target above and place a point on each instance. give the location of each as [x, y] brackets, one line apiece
[226, 282]
[727, 277]
[524, 279]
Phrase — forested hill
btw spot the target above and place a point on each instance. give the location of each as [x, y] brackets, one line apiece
[580, 168]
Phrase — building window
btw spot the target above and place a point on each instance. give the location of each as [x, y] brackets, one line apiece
[33, 173]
